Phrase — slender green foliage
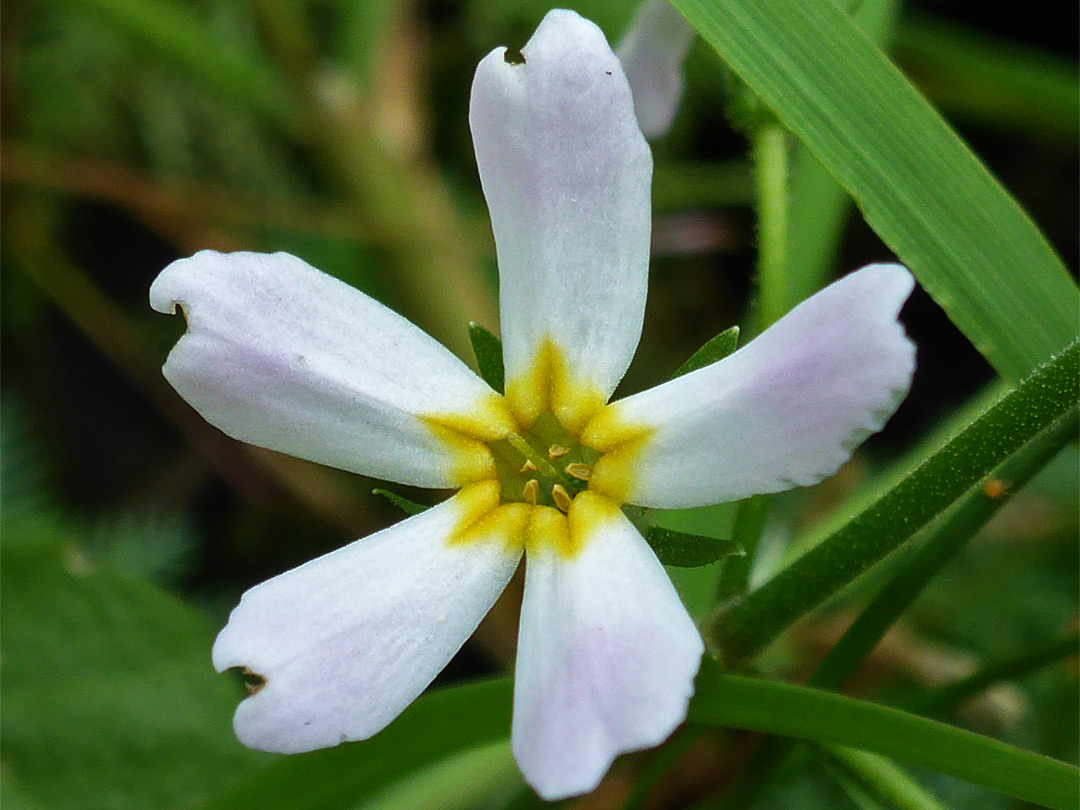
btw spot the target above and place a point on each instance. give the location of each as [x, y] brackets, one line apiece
[945, 540]
[177, 32]
[716, 348]
[924, 192]
[489, 356]
[404, 504]
[952, 695]
[736, 701]
[879, 781]
[689, 550]
[1033, 406]
[434, 727]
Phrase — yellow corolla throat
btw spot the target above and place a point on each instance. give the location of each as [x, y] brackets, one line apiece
[466, 436]
[549, 386]
[543, 467]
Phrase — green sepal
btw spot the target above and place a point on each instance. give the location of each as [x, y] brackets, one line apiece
[489, 355]
[689, 550]
[404, 504]
[716, 349]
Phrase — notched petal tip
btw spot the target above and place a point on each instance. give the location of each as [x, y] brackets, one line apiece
[171, 289]
[253, 681]
[788, 408]
[567, 175]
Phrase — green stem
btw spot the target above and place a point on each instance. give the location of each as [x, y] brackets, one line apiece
[960, 524]
[749, 525]
[954, 694]
[883, 779]
[770, 148]
[666, 757]
[747, 626]
[915, 571]
[735, 701]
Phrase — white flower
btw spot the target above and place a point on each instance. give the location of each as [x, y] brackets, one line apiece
[280, 355]
[652, 55]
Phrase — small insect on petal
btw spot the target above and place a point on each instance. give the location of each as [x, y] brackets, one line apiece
[561, 497]
[582, 472]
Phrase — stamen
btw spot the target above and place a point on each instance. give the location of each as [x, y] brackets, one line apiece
[528, 466]
[557, 451]
[542, 464]
[531, 491]
[561, 497]
[582, 472]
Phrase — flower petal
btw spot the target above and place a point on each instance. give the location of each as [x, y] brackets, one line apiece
[606, 656]
[784, 411]
[348, 640]
[652, 55]
[566, 173]
[283, 356]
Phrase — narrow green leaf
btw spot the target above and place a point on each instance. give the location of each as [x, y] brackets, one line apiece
[437, 725]
[735, 701]
[819, 205]
[1033, 406]
[662, 761]
[750, 519]
[954, 694]
[481, 776]
[946, 538]
[404, 504]
[715, 349]
[994, 82]
[882, 779]
[859, 794]
[911, 573]
[689, 550]
[921, 189]
[489, 356]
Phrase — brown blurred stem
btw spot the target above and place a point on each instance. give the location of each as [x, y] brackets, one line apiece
[175, 200]
[255, 473]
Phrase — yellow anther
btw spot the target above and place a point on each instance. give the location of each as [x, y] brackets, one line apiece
[557, 451]
[582, 472]
[528, 466]
[531, 491]
[561, 497]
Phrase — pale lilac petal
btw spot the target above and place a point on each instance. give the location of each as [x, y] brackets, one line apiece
[566, 173]
[348, 640]
[606, 655]
[283, 356]
[652, 54]
[784, 411]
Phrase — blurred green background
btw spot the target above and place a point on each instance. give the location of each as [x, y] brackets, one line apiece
[135, 132]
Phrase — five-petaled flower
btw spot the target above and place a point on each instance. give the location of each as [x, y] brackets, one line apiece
[280, 355]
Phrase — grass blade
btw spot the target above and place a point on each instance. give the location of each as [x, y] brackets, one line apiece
[921, 189]
[736, 701]
[1033, 406]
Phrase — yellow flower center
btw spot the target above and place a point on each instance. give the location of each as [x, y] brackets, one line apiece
[543, 466]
